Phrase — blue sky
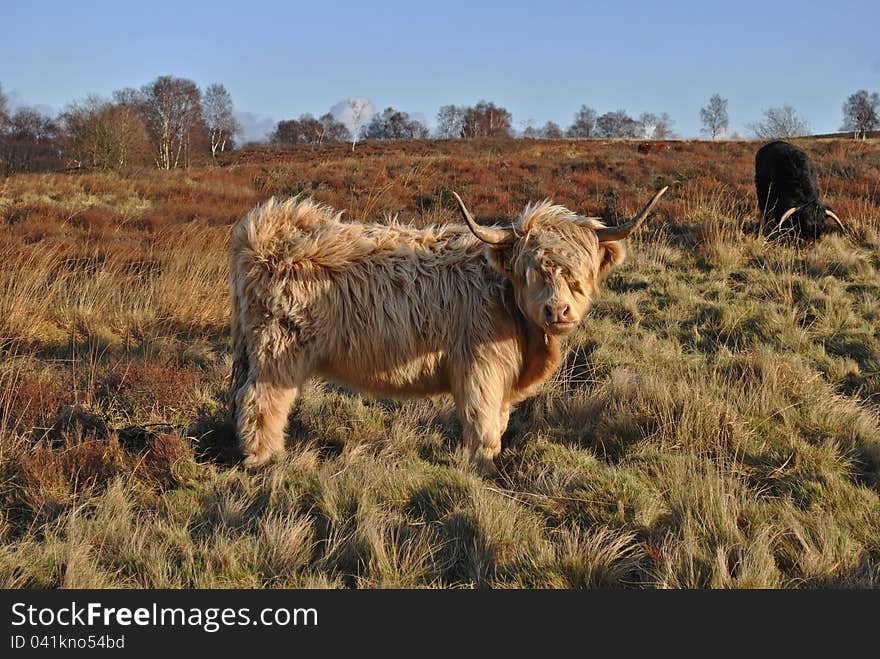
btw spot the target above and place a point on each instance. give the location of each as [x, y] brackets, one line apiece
[540, 60]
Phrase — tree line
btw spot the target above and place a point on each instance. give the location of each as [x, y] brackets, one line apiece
[861, 114]
[170, 121]
[165, 123]
[484, 119]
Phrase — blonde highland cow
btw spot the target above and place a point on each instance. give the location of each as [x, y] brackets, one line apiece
[393, 310]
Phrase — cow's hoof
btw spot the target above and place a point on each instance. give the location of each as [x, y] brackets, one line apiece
[485, 467]
[260, 460]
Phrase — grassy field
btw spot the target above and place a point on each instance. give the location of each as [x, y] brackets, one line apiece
[716, 422]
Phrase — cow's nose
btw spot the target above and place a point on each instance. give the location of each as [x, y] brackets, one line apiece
[557, 313]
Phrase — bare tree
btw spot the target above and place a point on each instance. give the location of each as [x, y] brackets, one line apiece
[84, 138]
[531, 132]
[129, 96]
[4, 108]
[653, 127]
[333, 130]
[4, 121]
[354, 112]
[780, 123]
[617, 124]
[104, 135]
[714, 117]
[393, 124]
[305, 130]
[219, 117]
[486, 119]
[450, 122]
[861, 113]
[308, 130]
[584, 124]
[551, 131]
[30, 142]
[172, 108]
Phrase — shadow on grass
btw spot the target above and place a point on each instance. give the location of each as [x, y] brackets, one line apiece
[215, 438]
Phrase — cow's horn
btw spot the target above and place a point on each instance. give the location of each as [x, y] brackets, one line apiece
[785, 216]
[491, 235]
[835, 218]
[607, 234]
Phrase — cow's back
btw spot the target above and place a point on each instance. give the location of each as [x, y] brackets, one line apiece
[380, 307]
[785, 177]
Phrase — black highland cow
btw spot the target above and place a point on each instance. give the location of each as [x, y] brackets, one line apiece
[788, 194]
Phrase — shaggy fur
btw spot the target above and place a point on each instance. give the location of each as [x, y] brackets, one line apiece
[395, 310]
[785, 178]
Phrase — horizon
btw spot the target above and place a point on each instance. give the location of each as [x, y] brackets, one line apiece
[417, 59]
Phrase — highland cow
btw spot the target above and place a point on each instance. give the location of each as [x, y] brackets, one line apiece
[788, 193]
[393, 310]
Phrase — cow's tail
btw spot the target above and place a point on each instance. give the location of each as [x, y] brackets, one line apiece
[252, 246]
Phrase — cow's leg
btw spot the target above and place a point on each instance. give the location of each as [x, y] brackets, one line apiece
[505, 417]
[262, 407]
[484, 414]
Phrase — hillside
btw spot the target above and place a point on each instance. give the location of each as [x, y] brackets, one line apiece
[716, 422]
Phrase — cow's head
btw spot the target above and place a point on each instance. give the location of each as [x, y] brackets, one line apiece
[555, 259]
[808, 221]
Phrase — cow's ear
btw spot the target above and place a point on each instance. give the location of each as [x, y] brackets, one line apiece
[611, 255]
[499, 257]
